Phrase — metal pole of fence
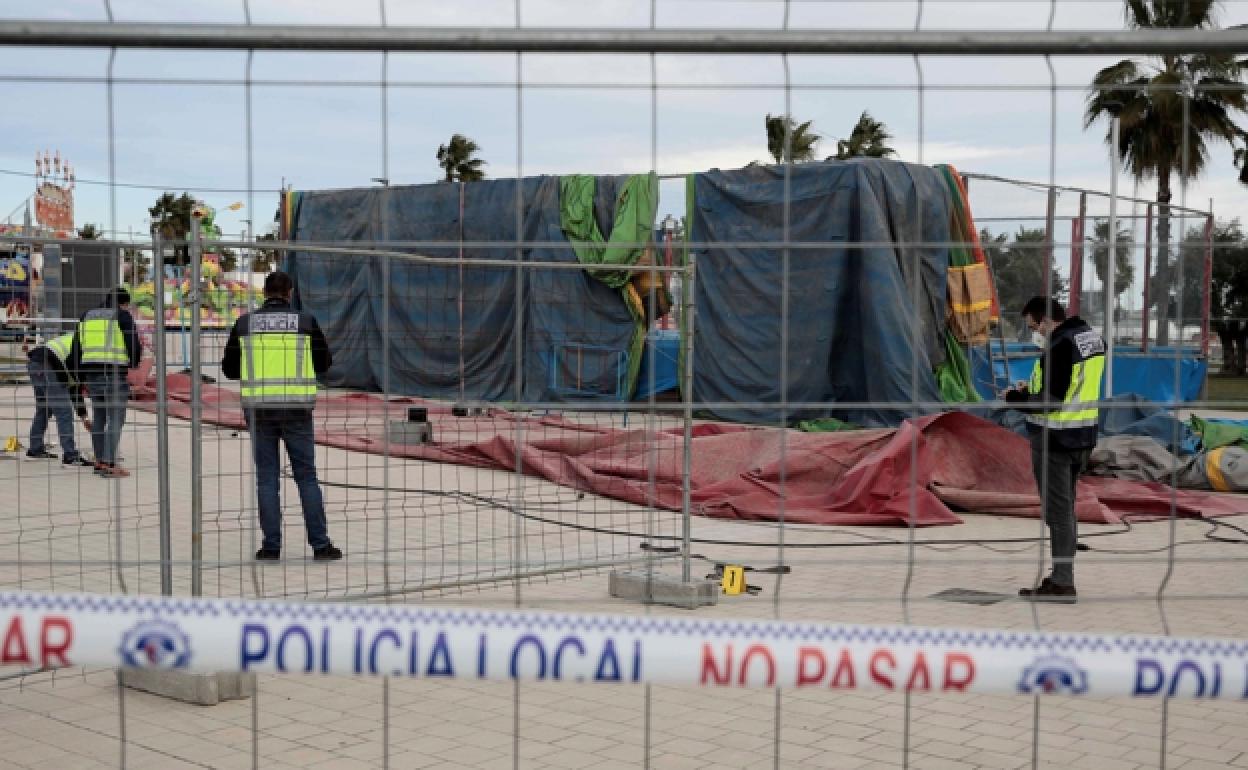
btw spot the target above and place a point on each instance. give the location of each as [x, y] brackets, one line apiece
[235, 37]
[1148, 264]
[197, 452]
[1077, 227]
[162, 424]
[1111, 259]
[1206, 288]
[686, 509]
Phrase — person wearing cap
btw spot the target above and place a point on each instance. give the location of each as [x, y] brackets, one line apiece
[276, 352]
[57, 396]
[106, 345]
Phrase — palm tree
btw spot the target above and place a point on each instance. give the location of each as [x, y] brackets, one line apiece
[89, 232]
[456, 159]
[1124, 271]
[1241, 159]
[800, 143]
[171, 218]
[1150, 97]
[867, 140]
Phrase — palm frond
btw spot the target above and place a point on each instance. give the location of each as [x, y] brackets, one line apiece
[1138, 14]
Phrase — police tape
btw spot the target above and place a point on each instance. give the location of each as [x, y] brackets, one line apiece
[215, 635]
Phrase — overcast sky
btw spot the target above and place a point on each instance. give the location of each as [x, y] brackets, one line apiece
[584, 114]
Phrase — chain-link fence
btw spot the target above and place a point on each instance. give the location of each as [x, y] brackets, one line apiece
[772, 392]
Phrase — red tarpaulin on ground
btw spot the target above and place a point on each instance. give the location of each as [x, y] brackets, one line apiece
[920, 472]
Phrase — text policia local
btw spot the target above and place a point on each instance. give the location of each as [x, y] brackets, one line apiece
[595, 657]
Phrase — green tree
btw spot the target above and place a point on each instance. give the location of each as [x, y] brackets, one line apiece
[264, 260]
[800, 143]
[1168, 103]
[1228, 298]
[458, 162]
[89, 232]
[868, 139]
[1124, 271]
[229, 260]
[1018, 268]
[171, 219]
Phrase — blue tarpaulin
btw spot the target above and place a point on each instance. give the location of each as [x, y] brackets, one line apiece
[865, 322]
[1126, 415]
[660, 366]
[1149, 375]
[446, 318]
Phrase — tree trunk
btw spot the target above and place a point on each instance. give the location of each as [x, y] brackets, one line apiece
[1162, 284]
[1241, 347]
[1226, 334]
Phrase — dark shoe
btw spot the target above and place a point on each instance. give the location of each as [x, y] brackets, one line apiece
[328, 553]
[77, 461]
[42, 454]
[1048, 591]
[268, 554]
[111, 471]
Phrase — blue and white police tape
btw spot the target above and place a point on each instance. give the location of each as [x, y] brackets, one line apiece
[45, 630]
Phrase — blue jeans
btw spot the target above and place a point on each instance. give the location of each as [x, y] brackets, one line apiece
[109, 393]
[51, 401]
[268, 427]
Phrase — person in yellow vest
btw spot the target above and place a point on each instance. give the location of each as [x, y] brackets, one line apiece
[57, 396]
[106, 346]
[277, 352]
[1062, 418]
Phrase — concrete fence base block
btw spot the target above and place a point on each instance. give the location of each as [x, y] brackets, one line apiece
[659, 588]
[199, 689]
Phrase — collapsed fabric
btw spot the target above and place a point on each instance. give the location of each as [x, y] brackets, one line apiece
[865, 478]
[449, 331]
[865, 322]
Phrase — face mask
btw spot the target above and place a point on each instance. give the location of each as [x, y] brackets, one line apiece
[1039, 339]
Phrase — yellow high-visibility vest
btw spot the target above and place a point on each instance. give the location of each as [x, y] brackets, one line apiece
[99, 335]
[277, 369]
[1079, 405]
[61, 346]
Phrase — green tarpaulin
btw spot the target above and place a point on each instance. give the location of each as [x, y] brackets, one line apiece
[1215, 434]
[825, 425]
[954, 375]
[632, 227]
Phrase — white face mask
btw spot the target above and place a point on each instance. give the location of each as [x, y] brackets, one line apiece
[1039, 339]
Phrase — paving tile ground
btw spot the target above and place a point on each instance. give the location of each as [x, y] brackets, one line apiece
[450, 535]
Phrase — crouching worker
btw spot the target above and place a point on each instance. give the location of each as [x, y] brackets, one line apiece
[57, 397]
[276, 353]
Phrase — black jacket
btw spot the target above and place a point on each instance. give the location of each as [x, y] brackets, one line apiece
[1056, 366]
[134, 348]
[232, 362]
[64, 372]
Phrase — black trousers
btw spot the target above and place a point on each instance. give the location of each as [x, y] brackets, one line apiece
[1057, 472]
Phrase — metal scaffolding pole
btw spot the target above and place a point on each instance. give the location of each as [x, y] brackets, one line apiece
[1077, 226]
[1148, 265]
